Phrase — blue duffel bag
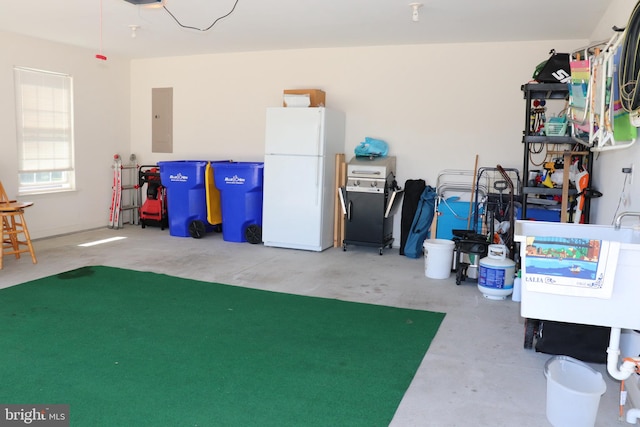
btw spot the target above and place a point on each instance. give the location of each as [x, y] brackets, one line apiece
[421, 223]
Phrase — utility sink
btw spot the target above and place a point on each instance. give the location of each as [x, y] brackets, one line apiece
[620, 310]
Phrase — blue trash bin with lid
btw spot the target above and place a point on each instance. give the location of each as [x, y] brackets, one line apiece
[186, 197]
[240, 185]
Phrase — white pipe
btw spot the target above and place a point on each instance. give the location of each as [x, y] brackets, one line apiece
[614, 147]
[613, 352]
[633, 415]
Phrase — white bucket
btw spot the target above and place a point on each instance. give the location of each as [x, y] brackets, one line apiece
[573, 392]
[438, 258]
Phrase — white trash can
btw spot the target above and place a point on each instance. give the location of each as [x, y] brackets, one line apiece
[438, 258]
[573, 392]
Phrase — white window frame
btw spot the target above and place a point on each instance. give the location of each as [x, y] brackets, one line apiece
[44, 131]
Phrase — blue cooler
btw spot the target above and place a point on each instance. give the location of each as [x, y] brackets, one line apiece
[240, 185]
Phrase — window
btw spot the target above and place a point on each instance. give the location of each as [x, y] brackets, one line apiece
[44, 116]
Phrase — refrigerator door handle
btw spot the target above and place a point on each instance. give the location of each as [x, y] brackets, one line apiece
[319, 141]
[318, 179]
[319, 172]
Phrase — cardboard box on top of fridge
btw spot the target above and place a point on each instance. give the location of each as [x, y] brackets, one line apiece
[297, 98]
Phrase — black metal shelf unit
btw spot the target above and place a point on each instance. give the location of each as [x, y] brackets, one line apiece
[557, 92]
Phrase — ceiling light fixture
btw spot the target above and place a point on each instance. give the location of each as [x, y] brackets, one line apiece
[415, 16]
[134, 28]
[155, 3]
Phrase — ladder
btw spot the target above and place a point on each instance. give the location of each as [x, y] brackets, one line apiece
[124, 195]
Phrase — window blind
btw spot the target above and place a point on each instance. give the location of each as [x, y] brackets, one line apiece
[44, 121]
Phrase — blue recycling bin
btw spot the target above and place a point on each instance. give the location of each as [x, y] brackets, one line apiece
[240, 185]
[186, 196]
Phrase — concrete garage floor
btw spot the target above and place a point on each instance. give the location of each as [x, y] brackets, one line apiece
[476, 372]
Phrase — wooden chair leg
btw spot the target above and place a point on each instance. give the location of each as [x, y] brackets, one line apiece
[13, 224]
[6, 237]
[4, 224]
[13, 236]
[27, 238]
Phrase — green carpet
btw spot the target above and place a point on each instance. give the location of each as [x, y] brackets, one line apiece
[128, 348]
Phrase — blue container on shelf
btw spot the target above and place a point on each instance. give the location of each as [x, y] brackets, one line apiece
[241, 190]
[186, 196]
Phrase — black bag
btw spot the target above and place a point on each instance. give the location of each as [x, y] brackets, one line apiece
[413, 189]
[556, 69]
[583, 342]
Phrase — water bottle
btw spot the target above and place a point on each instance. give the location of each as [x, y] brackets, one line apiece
[517, 287]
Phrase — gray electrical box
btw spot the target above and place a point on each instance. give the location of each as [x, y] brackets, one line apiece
[162, 120]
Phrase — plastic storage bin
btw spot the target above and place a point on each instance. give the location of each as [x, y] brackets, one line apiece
[542, 214]
[556, 126]
[452, 215]
[241, 190]
[186, 196]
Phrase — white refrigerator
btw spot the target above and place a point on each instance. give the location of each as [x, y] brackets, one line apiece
[299, 176]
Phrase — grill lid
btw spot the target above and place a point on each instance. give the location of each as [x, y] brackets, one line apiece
[373, 168]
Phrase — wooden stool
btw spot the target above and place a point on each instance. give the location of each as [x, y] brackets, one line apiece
[14, 225]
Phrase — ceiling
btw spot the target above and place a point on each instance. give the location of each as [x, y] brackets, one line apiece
[257, 25]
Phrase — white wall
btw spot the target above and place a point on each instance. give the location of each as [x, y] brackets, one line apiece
[436, 105]
[607, 169]
[101, 98]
